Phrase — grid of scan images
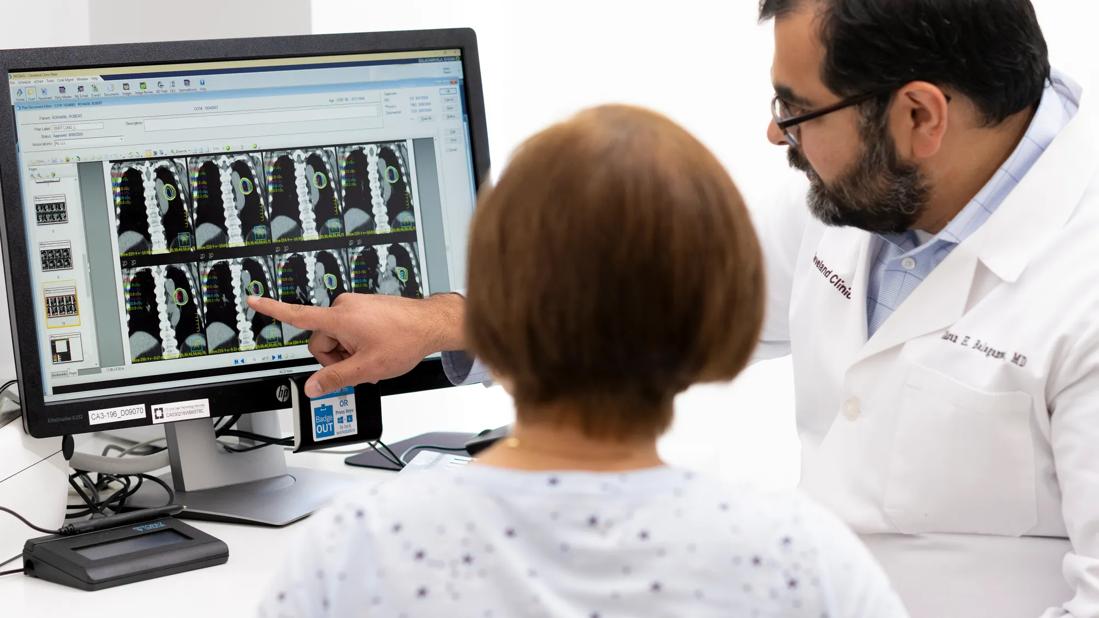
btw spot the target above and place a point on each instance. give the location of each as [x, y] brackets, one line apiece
[197, 235]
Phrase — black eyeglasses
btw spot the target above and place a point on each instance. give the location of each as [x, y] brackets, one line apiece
[789, 124]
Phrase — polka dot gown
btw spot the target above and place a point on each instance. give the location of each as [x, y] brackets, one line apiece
[493, 543]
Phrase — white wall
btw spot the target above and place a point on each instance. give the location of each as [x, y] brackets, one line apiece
[129, 21]
[704, 63]
[707, 65]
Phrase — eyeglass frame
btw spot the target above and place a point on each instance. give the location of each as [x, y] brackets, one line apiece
[785, 124]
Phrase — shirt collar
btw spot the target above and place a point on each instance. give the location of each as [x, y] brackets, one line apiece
[1055, 110]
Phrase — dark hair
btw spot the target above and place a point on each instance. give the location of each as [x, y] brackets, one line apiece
[992, 51]
[612, 266]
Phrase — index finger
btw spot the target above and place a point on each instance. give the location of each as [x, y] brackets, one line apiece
[301, 316]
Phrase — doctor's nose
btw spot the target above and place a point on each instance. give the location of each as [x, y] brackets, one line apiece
[775, 135]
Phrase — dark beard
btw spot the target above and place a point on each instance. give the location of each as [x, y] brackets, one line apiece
[880, 194]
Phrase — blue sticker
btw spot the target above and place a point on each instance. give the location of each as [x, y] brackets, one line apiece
[326, 425]
[323, 425]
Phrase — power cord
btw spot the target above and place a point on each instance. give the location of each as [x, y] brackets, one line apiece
[28, 523]
[386, 453]
[94, 505]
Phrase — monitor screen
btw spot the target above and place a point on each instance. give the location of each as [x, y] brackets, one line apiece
[156, 198]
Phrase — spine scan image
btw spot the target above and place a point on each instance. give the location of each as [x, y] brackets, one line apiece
[257, 279]
[173, 202]
[396, 190]
[223, 311]
[183, 311]
[273, 223]
[211, 227]
[249, 197]
[295, 276]
[323, 192]
[359, 182]
[364, 270]
[287, 189]
[399, 274]
[329, 277]
[128, 183]
[143, 314]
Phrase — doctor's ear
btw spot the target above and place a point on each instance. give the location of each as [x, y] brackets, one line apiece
[920, 116]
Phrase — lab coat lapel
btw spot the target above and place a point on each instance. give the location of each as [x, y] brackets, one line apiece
[842, 262]
[936, 303]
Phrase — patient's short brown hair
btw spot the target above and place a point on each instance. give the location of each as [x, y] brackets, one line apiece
[612, 266]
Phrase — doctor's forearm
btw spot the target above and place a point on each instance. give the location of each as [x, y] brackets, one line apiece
[443, 315]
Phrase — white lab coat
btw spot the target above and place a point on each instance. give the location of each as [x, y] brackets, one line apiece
[961, 441]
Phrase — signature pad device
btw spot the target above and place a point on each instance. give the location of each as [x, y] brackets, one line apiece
[122, 555]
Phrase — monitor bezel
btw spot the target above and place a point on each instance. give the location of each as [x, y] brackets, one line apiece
[70, 417]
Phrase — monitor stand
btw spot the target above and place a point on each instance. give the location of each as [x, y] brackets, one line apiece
[255, 487]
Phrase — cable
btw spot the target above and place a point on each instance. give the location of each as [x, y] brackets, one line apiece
[386, 456]
[396, 459]
[430, 447]
[248, 435]
[11, 572]
[15, 557]
[24, 520]
[220, 430]
[171, 494]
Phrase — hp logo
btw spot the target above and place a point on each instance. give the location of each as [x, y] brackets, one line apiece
[282, 393]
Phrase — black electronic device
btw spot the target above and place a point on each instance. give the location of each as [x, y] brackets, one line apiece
[190, 175]
[122, 555]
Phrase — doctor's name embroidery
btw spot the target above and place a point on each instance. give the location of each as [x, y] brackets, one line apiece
[982, 347]
[837, 281]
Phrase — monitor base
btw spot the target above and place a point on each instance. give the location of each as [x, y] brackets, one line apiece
[449, 439]
[275, 501]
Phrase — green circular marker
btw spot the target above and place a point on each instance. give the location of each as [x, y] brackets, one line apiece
[255, 288]
[330, 281]
[392, 175]
[246, 186]
[180, 297]
[402, 274]
[320, 181]
[170, 193]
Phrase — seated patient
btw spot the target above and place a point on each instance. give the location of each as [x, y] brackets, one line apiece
[613, 266]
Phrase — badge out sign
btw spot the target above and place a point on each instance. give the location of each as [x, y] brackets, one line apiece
[334, 415]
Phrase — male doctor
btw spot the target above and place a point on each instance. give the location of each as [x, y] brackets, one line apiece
[941, 304]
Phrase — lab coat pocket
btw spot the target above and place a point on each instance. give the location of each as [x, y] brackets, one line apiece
[962, 459]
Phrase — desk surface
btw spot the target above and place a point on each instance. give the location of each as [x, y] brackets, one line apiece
[232, 589]
[710, 433]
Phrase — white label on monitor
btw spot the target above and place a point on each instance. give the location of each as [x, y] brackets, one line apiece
[180, 410]
[334, 415]
[116, 415]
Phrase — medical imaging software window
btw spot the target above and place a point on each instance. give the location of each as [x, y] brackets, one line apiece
[159, 198]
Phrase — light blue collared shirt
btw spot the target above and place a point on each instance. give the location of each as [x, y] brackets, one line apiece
[902, 261]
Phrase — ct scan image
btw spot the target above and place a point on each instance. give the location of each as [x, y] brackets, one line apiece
[211, 226]
[257, 278]
[396, 186]
[183, 310]
[399, 272]
[287, 217]
[295, 286]
[142, 314]
[131, 213]
[329, 277]
[324, 199]
[222, 306]
[359, 182]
